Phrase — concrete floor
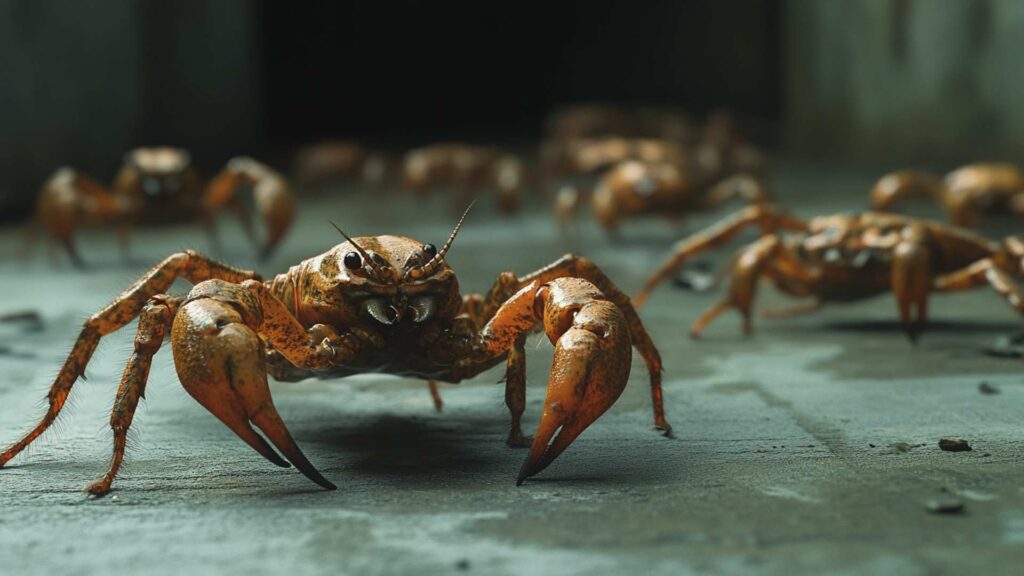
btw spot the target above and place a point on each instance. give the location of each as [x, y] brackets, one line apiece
[782, 461]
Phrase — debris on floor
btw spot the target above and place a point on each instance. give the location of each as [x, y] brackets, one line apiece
[12, 353]
[697, 277]
[1011, 346]
[28, 320]
[988, 389]
[946, 505]
[954, 445]
[901, 447]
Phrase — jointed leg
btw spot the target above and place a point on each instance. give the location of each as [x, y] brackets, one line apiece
[66, 198]
[1017, 205]
[68, 243]
[979, 273]
[154, 321]
[796, 310]
[272, 197]
[515, 393]
[912, 280]
[902, 185]
[190, 265]
[766, 257]
[743, 187]
[962, 207]
[567, 202]
[435, 395]
[767, 218]
[710, 314]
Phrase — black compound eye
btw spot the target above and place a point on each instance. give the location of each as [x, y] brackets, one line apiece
[353, 260]
[430, 250]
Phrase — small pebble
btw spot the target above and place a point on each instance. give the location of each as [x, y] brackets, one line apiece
[986, 388]
[946, 505]
[954, 445]
[1007, 346]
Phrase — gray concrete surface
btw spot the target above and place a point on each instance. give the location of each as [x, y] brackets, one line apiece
[781, 461]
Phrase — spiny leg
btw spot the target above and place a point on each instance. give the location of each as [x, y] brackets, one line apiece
[154, 321]
[769, 219]
[189, 265]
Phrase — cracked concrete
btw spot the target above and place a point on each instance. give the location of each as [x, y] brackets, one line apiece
[780, 462]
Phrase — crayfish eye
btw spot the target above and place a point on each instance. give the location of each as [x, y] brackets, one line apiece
[430, 250]
[353, 260]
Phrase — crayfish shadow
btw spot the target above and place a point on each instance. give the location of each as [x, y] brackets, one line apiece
[421, 447]
[937, 326]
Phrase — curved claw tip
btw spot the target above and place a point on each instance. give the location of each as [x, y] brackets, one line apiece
[316, 477]
[524, 473]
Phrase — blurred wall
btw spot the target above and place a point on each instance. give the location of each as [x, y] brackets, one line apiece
[82, 82]
[905, 80]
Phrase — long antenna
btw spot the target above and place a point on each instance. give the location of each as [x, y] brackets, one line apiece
[363, 253]
[428, 268]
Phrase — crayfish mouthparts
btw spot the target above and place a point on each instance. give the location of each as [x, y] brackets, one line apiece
[420, 309]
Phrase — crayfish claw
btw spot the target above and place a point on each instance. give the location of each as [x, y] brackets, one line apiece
[589, 371]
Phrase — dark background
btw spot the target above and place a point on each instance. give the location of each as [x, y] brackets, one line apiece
[429, 69]
[892, 82]
[82, 84]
